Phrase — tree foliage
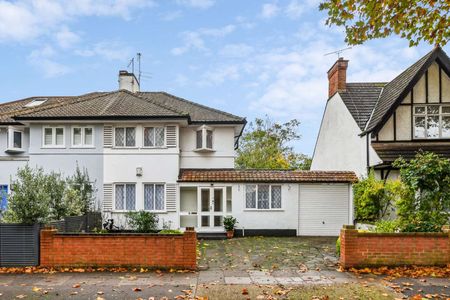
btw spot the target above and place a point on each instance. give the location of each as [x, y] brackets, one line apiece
[84, 189]
[265, 145]
[427, 205]
[414, 20]
[142, 221]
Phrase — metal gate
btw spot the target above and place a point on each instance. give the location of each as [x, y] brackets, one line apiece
[19, 245]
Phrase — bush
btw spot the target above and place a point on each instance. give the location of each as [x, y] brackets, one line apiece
[338, 247]
[170, 231]
[142, 221]
[229, 223]
[84, 188]
[374, 198]
[426, 205]
[387, 226]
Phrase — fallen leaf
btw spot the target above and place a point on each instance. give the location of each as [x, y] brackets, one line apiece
[244, 291]
[136, 289]
[100, 293]
[20, 296]
[75, 286]
[36, 289]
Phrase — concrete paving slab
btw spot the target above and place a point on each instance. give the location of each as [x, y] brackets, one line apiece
[238, 280]
[211, 277]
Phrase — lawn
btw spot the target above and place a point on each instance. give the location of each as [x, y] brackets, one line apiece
[312, 292]
[269, 253]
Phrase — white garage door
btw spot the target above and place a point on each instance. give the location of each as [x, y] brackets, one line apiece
[323, 209]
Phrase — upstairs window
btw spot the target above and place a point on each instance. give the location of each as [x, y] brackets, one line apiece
[82, 137]
[53, 137]
[204, 138]
[125, 137]
[432, 121]
[15, 140]
[154, 136]
[262, 196]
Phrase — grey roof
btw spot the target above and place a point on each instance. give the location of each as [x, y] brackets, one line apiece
[396, 90]
[118, 104]
[360, 99]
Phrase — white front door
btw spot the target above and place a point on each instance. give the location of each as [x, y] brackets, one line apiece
[211, 204]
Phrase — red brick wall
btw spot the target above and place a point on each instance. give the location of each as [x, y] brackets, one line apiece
[360, 249]
[150, 250]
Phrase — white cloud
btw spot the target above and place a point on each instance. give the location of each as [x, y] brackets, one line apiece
[107, 50]
[203, 4]
[220, 75]
[236, 50]
[195, 39]
[269, 10]
[171, 15]
[43, 59]
[66, 38]
[294, 9]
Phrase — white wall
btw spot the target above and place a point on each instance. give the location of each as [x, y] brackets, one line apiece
[339, 146]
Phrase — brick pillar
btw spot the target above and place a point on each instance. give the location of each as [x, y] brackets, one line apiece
[349, 242]
[337, 77]
[46, 247]
[190, 248]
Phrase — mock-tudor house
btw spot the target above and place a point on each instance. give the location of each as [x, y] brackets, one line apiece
[370, 124]
[157, 152]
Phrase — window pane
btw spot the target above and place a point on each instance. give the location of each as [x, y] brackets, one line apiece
[419, 127]
[209, 137]
[159, 197]
[263, 196]
[119, 137]
[250, 196]
[48, 132]
[149, 136]
[199, 139]
[446, 109]
[276, 196]
[433, 109]
[88, 136]
[77, 136]
[419, 110]
[119, 197]
[149, 204]
[59, 136]
[445, 126]
[159, 136]
[17, 139]
[3, 197]
[130, 196]
[130, 137]
[433, 126]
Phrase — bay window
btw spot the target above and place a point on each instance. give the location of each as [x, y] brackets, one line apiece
[204, 138]
[125, 136]
[53, 137]
[154, 197]
[125, 196]
[82, 137]
[154, 136]
[15, 140]
[431, 121]
[262, 196]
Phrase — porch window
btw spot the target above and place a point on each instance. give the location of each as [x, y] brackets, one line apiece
[125, 196]
[154, 136]
[125, 137]
[431, 121]
[154, 197]
[262, 196]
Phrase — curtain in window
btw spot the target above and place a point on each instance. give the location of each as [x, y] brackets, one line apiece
[88, 136]
[148, 197]
[250, 196]
[119, 136]
[276, 196]
[59, 136]
[48, 133]
[77, 136]
[159, 197]
[130, 197]
[159, 136]
[149, 136]
[130, 137]
[263, 197]
[119, 197]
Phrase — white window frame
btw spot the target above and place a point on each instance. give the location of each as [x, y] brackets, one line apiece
[53, 144]
[425, 115]
[154, 189]
[125, 137]
[11, 131]
[154, 137]
[204, 129]
[256, 185]
[83, 134]
[125, 193]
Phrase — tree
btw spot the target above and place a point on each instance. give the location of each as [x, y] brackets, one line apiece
[415, 20]
[29, 200]
[83, 189]
[55, 186]
[427, 205]
[265, 145]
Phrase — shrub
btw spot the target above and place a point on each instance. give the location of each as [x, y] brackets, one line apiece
[387, 226]
[55, 186]
[338, 246]
[142, 221]
[374, 198]
[84, 189]
[426, 205]
[229, 223]
[170, 231]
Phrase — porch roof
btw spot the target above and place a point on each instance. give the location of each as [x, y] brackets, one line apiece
[262, 175]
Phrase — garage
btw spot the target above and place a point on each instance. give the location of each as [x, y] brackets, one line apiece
[323, 208]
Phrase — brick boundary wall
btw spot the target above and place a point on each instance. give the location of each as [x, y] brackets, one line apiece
[364, 249]
[122, 249]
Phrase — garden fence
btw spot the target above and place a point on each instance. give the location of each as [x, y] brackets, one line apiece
[19, 245]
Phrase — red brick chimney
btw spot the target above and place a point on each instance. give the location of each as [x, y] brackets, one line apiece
[337, 77]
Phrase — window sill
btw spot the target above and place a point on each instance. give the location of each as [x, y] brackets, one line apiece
[204, 150]
[53, 147]
[124, 147]
[14, 150]
[152, 148]
[82, 147]
[267, 209]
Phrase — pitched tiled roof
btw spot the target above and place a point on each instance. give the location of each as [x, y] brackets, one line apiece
[360, 99]
[118, 104]
[251, 175]
[396, 90]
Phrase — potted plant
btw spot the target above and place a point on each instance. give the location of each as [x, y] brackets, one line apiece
[229, 223]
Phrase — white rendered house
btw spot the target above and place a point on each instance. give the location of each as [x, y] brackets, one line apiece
[157, 152]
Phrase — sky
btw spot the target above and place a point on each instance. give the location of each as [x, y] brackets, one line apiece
[251, 58]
